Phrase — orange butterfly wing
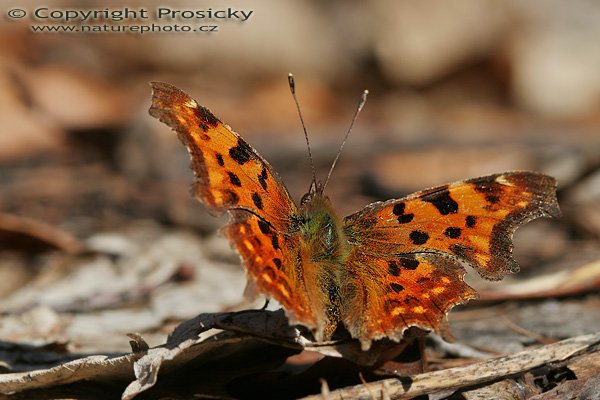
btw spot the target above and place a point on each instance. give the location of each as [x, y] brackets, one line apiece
[406, 266]
[232, 176]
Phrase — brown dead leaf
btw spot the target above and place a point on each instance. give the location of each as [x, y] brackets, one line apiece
[24, 130]
[33, 236]
[76, 99]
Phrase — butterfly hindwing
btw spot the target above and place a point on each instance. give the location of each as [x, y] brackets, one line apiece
[402, 291]
[271, 261]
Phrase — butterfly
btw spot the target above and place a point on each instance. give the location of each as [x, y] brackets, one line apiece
[390, 266]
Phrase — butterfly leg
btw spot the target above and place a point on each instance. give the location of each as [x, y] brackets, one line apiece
[264, 307]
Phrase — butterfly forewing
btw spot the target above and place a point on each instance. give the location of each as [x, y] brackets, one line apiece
[229, 173]
[472, 220]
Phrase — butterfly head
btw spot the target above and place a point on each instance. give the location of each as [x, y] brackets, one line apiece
[316, 211]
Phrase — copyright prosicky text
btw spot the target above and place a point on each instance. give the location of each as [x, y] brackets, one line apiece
[127, 13]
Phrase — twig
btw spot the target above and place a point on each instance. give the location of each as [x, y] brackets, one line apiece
[474, 374]
[526, 332]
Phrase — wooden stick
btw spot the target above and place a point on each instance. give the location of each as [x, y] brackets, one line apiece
[454, 378]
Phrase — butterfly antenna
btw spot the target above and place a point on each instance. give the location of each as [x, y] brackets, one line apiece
[361, 104]
[312, 164]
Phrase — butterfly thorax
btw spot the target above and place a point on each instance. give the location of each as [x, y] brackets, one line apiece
[324, 249]
[321, 232]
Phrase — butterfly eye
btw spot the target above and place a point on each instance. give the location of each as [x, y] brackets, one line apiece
[315, 187]
[296, 223]
[305, 198]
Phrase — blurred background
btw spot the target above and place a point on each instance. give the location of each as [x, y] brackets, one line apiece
[98, 232]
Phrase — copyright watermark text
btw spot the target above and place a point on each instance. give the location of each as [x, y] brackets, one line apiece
[49, 19]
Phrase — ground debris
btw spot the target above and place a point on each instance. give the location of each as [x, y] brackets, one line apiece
[232, 355]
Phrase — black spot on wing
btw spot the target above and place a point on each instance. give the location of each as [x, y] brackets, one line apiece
[393, 268]
[333, 295]
[418, 237]
[277, 262]
[409, 263]
[470, 221]
[257, 200]
[399, 209]
[406, 218]
[492, 199]
[219, 158]
[442, 200]
[205, 116]
[396, 287]
[241, 153]
[490, 189]
[264, 227]
[453, 232]
[234, 179]
[275, 242]
[232, 197]
[262, 178]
